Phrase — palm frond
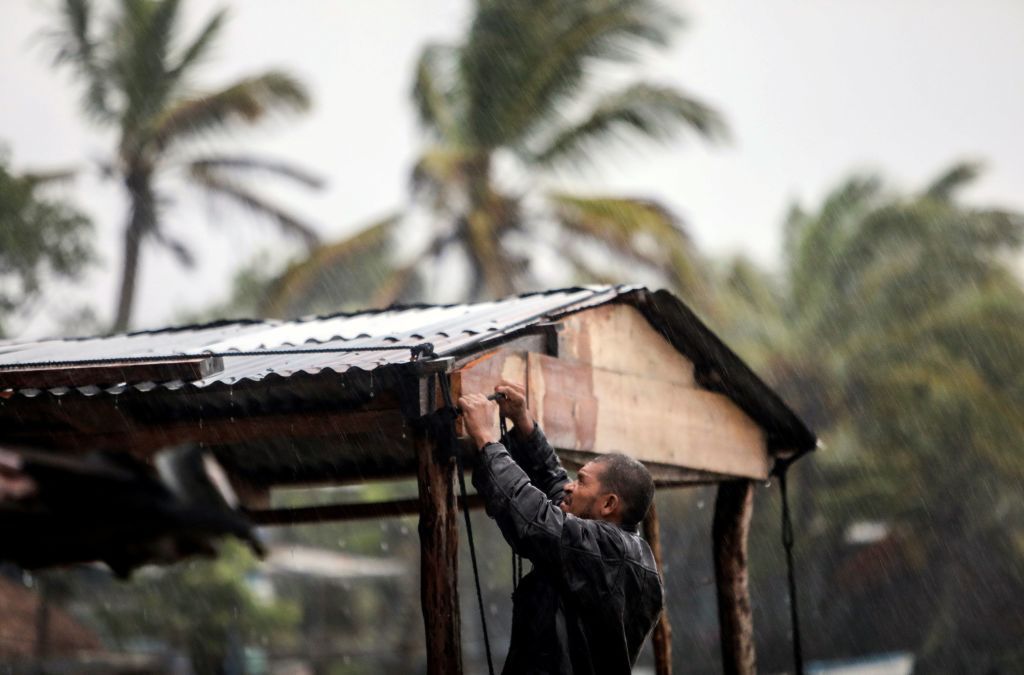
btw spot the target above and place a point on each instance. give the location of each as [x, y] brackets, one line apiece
[522, 61]
[75, 46]
[814, 240]
[198, 48]
[296, 283]
[178, 248]
[219, 185]
[643, 230]
[651, 112]
[956, 177]
[434, 89]
[41, 178]
[248, 100]
[243, 164]
[396, 284]
[143, 35]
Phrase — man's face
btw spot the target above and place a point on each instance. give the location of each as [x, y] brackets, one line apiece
[584, 496]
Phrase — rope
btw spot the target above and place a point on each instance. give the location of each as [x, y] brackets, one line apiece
[788, 541]
[446, 392]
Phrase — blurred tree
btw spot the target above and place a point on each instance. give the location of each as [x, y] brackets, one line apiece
[519, 91]
[203, 607]
[897, 331]
[41, 237]
[138, 77]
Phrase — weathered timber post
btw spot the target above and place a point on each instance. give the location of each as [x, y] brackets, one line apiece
[439, 556]
[662, 636]
[733, 507]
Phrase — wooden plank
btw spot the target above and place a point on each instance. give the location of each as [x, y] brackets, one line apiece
[346, 512]
[439, 558]
[729, 530]
[590, 409]
[143, 440]
[106, 372]
[562, 398]
[661, 638]
[617, 337]
[483, 373]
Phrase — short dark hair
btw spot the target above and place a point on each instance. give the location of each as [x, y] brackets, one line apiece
[631, 481]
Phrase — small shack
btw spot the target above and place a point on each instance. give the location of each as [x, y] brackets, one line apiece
[340, 399]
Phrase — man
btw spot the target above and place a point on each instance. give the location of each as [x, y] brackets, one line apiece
[594, 593]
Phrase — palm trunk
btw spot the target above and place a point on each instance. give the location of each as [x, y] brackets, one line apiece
[142, 220]
[490, 271]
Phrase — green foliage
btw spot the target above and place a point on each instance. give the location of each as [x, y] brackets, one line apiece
[41, 238]
[897, 331]
[200, 606]
[139, 77]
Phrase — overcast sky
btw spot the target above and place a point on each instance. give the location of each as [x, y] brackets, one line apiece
[813, 89]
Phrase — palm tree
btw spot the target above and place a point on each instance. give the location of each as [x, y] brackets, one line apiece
[138, 75]
[525, 88]
[897, 330]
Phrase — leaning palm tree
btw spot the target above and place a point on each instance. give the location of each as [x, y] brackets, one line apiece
[525, 88]
[897, 330]
[138, 76]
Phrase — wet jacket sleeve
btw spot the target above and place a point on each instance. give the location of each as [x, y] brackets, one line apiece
[538, 459]
[530, 521]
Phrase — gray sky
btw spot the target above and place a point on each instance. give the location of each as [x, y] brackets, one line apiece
[813, 89]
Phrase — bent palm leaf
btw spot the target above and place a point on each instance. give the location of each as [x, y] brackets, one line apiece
[644, 110]
[643, 230]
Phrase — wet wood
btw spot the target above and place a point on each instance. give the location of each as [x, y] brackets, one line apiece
[618, 338]
[661, 638]
[124, 434]
[591, 409]
[346, 512]
[439, 558]
[731, 525]
[481, 374]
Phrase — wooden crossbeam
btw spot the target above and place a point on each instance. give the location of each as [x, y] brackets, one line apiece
[143, 439]
[346, 512]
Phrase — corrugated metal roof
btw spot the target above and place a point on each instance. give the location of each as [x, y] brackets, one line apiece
[360, 343]
[366, 340]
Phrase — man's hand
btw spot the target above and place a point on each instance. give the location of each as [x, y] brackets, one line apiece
[513, 406]
[479, 414]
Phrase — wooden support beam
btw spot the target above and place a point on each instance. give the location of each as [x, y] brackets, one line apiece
[733, 508]
[345, 512]
[439, 557]
[142, 440]
[662, 636]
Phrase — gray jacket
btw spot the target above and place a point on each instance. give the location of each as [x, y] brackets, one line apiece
[594, 593]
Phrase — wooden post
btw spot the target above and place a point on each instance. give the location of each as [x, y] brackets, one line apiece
[662, 636]
[733, 507]
[439, 557]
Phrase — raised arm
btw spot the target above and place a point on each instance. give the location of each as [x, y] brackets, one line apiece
[531, 523]
[530, 448]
